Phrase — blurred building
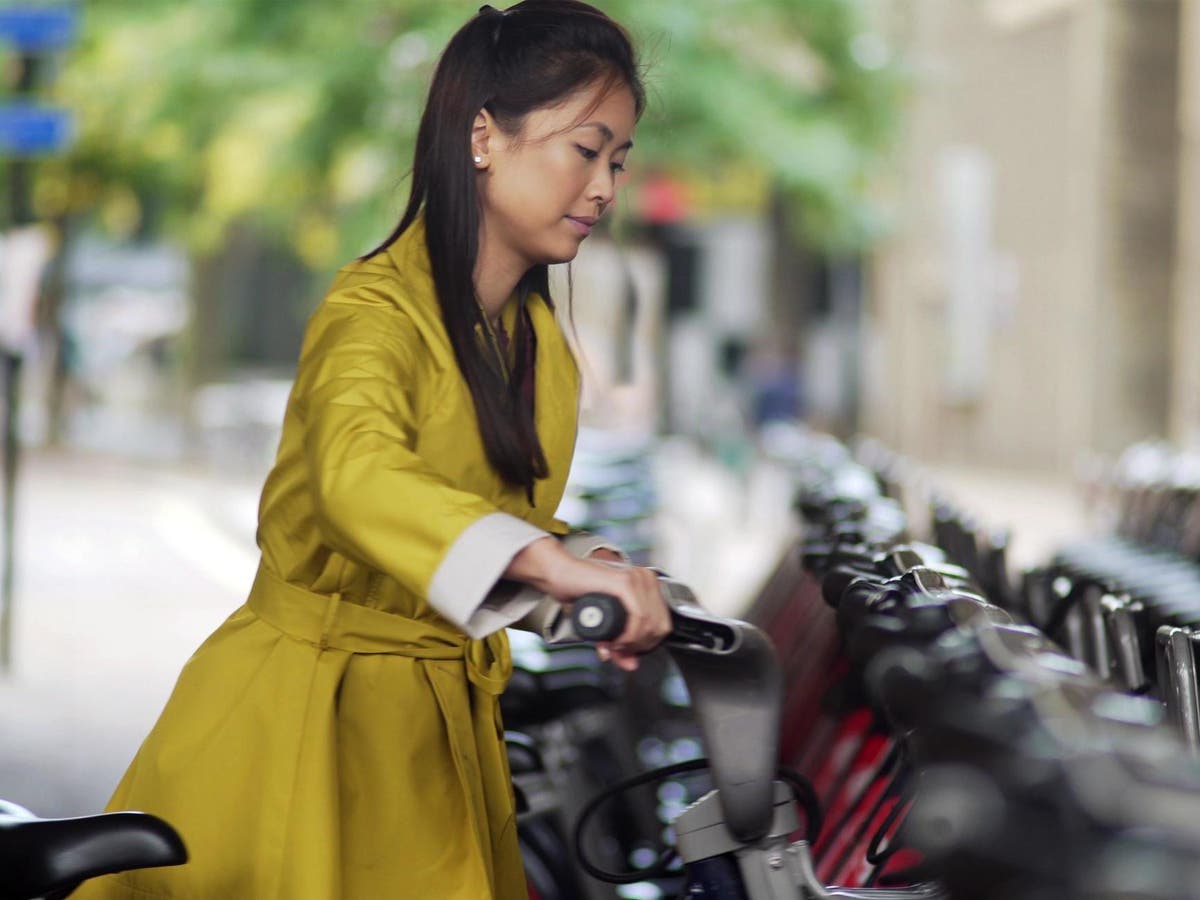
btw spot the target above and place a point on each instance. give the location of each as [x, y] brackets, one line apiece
[1042, 294]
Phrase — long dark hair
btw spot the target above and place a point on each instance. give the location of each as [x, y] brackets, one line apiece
[509, 63]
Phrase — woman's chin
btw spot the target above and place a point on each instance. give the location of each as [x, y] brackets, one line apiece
[560, 256]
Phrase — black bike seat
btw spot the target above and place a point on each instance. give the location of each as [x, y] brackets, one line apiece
[534, 698]
[50, 857]
[524, 757]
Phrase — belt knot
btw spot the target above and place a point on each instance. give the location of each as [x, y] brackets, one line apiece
[329, 622]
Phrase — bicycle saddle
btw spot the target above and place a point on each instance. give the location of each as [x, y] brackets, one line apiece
[524, 757]
[534, 698]
[50, 857]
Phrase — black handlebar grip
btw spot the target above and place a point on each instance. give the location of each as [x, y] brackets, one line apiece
[598, 617]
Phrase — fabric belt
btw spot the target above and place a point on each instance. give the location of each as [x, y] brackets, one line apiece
[329, 622]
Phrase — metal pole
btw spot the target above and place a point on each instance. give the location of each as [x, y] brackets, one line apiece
[20, 194]
[20, 213]
[12, 382]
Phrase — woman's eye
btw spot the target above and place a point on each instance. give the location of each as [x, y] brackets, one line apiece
[617, 168]
[587, 152]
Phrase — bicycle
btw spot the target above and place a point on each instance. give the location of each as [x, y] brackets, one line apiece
[735, 842]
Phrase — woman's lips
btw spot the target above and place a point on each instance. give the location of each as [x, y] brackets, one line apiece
[583, 224]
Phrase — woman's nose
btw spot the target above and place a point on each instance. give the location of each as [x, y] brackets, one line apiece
[602, 188]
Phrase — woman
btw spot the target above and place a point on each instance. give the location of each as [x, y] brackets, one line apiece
[338, 737]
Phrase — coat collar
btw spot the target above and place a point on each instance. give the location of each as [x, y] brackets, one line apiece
[409, 255]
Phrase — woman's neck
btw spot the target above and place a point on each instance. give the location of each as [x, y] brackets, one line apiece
[497, 271]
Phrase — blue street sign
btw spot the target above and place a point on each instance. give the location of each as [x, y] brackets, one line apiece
[35, 29]
[27, 130]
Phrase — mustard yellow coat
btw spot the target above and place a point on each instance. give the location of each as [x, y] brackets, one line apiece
[338, 737]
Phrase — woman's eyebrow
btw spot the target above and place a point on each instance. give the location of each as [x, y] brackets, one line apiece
[607, 133]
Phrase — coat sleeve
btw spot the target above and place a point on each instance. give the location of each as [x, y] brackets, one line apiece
[377, 501]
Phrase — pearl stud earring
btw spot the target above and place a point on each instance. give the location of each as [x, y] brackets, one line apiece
[478, 160]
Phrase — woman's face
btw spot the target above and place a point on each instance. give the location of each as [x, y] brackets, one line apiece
[544, 188]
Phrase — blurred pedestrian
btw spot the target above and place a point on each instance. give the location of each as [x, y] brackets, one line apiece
[339, 735]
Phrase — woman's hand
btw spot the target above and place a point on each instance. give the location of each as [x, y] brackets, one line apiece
[548, 567]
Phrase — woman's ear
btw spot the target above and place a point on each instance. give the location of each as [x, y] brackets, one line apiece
[482, 132]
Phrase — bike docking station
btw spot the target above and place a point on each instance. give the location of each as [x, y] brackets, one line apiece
[735, 682]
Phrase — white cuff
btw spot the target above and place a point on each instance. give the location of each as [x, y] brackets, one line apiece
[475, 562]
[583, 544]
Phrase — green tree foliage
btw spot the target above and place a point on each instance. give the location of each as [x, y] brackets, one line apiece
[299, 115]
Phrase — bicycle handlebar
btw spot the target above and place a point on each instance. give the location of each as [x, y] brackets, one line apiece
[598, 617]
[602, 617]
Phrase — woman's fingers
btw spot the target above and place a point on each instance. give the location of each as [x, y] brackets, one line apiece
[635, 612]
[662, 612]
[626, 659]
[648, 620]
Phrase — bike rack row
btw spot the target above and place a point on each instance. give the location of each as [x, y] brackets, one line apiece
[948, 736]
[1127, 602]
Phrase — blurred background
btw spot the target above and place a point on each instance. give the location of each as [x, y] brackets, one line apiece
[968, 229]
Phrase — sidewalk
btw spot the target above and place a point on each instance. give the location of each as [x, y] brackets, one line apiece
[1041, 512]
[121, 571]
